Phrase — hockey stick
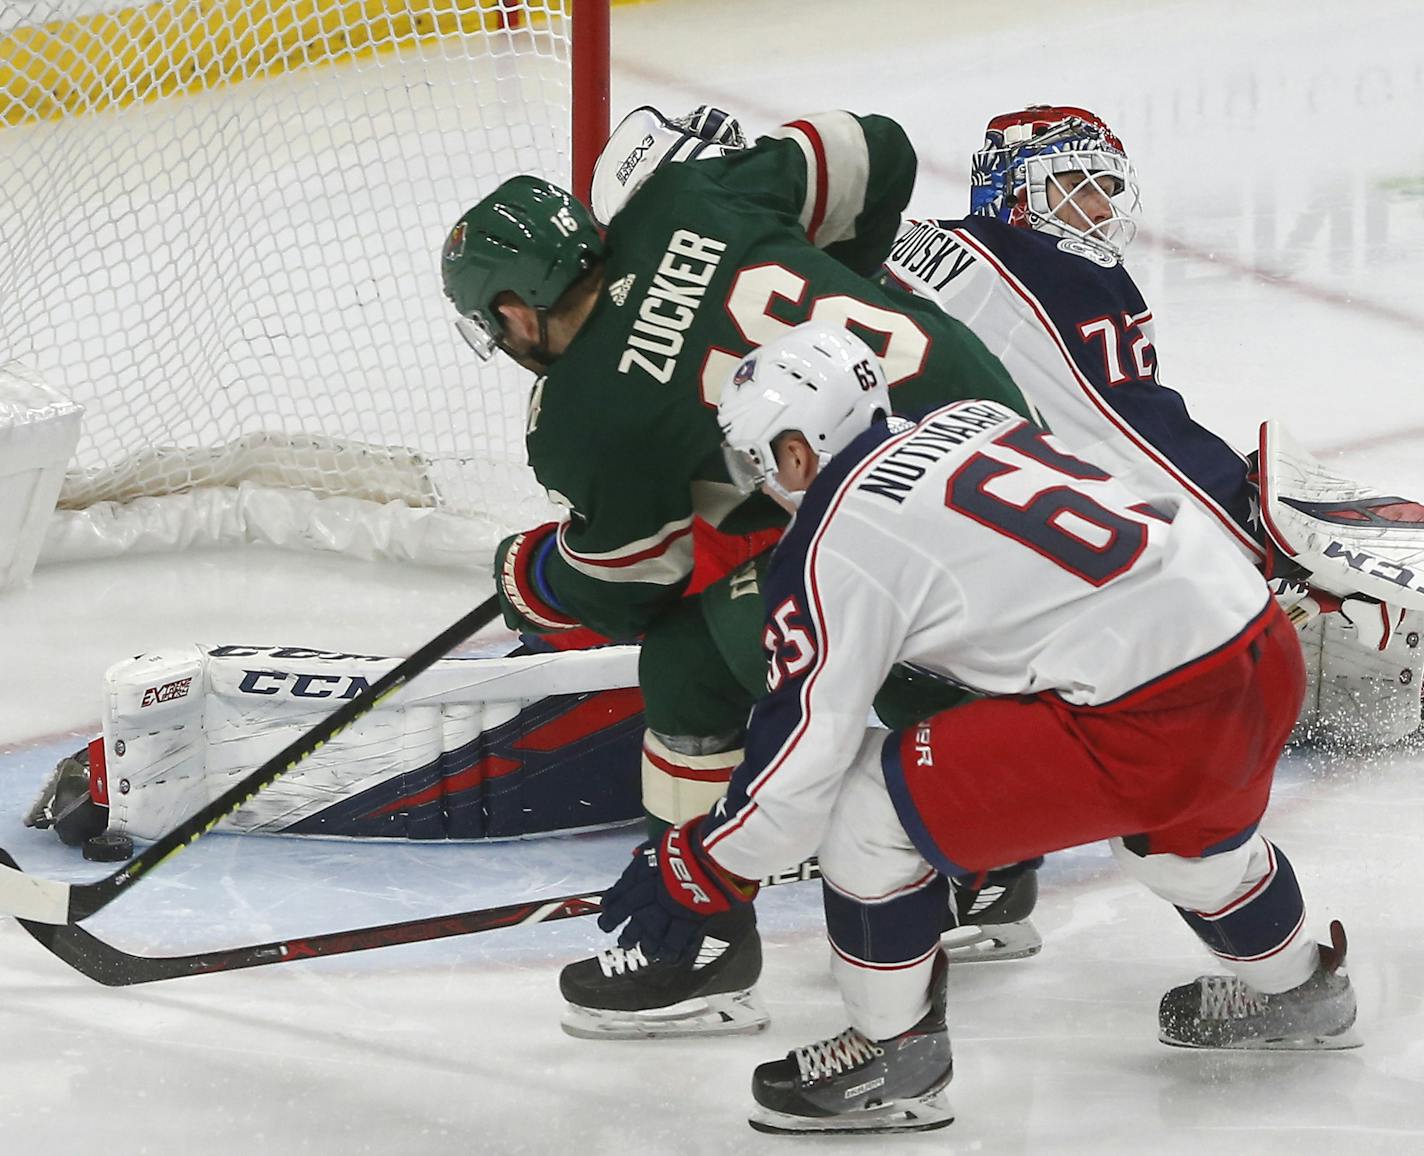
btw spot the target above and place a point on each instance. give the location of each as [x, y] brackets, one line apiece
[108, 965]
[50, 901]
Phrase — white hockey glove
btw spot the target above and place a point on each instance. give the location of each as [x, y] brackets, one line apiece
[645, 140]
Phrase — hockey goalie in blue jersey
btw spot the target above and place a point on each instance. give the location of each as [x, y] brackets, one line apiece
[1036, 271]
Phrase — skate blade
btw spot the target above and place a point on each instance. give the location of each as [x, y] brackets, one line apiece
[1340, 1041]
[734, 1013]
[992, 942]
[40, 815]
[904, 1116]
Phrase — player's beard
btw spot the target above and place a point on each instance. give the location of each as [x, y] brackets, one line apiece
[538, 357]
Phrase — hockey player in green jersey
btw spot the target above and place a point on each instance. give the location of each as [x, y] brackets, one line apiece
[632, 334]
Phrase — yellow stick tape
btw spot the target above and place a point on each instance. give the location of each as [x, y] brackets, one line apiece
[134, 55]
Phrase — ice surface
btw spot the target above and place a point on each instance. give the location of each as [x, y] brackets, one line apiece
[1283, 251]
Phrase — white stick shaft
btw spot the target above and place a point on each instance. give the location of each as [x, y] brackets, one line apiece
[31, 897]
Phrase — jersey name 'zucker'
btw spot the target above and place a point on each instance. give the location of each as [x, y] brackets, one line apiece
[670, 304]
[895, 475]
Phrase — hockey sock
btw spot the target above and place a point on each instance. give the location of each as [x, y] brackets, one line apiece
[1256, 933]
[683, 777]
[884, 953]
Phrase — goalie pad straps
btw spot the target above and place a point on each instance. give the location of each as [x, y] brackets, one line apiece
[678, 787]
[98, 772]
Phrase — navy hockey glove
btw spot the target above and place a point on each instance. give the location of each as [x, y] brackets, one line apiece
[525, 599]
[667, 894]
[713, 124]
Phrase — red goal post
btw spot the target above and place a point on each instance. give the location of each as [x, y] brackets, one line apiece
[221, 239]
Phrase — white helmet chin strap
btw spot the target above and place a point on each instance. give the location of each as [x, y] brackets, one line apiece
[790, 497]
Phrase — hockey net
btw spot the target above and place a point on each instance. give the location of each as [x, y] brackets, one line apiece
[221, 236]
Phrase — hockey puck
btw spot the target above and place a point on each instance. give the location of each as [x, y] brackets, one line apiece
[109, 847]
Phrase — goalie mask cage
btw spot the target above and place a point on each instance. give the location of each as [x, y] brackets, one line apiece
[221, 235]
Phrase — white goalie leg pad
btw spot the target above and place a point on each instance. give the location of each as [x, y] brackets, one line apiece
[1356, 696]
[678, 786]
[155, 744]
[183, 726]
[1353, 539]
[1312, 639]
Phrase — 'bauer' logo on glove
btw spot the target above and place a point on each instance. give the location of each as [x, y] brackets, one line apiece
[668, 891]
[684, 875]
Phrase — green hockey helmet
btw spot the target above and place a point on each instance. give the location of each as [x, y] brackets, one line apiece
[530, 238]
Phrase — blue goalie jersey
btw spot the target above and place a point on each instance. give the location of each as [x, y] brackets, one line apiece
[1072, 328]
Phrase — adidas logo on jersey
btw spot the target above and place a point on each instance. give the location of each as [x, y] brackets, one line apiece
[620, 289]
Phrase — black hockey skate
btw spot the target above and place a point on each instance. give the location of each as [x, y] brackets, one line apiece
[853, 1084]
[64, 803]
[619, 994]
[993, 921]
[1220, 1011]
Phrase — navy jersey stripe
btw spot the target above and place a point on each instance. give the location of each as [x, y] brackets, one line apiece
[1152, 416]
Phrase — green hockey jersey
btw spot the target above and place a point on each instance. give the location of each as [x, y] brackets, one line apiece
[706, 261]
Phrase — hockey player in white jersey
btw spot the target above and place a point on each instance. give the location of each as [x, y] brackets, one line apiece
[1036, 271]
[1138, 682]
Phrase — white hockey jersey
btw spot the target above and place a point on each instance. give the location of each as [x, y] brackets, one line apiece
[973, 546]
[1077, 337]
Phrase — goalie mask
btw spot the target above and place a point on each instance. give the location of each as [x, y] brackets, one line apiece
[529, 238]
[1058, 170]
[819, 380]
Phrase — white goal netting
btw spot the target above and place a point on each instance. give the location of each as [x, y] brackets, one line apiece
[221, 234]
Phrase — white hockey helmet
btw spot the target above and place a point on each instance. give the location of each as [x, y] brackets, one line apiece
[819, 380]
